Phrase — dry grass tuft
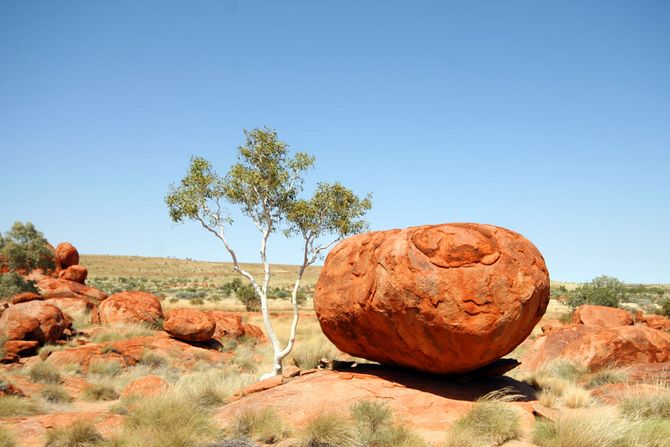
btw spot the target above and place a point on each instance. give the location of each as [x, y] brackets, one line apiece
[13, 406]
[7, 439]
[330, 430]
[263, 425]
[80, 434]
[44, 372]
[55, 394]
[100, 391]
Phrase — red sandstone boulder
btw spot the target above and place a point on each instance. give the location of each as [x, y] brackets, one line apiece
[596, 347]
[66, 255]
[228, 324]
[34, 320]
[75, 273]
[441, 298]
[25, 297]
[189, 325]
[130, 307]
[657, 322]
[75, 306]
[13, 349]
[145, 387]
[63, 288]
[602, 316]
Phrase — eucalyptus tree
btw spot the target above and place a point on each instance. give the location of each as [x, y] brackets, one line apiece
[265, 183]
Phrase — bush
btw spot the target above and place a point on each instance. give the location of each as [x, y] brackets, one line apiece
[56, 394]
[491, 421]
[153, 360]
[25, 248]
[168, 421]
[100, 391]
[263, 425]
[44, 372]
[80, 434]
[13, 406]
[12, 283]
[601, 291]
[330, 430]
[247, 296]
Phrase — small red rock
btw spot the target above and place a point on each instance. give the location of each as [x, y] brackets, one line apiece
[189, 325]
[75, 273]
[253, 331]
[657, 322]
[66, 255]
[16, 348]
[601, 316]
[130, 307]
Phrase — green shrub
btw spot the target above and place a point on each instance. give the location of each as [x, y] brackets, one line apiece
[25, 248]
[263, 425]
[601, 291]
[12, 283]
[80, 434]
[247, 296]
[100, 391]
[13, 406]
[44, 372]
[55, 394]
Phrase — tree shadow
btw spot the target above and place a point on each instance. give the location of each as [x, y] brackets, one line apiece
[465, 387]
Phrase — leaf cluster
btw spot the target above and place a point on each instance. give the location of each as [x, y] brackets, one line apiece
[25, 248]
[601, 291]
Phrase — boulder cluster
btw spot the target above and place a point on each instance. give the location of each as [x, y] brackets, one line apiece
[30, 320]
[601, 337]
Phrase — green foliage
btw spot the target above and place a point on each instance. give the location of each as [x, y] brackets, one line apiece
[247, 296]
[81, 433]
[44, 372]
[25, 248]
[601, 291]
[665, 308]
[12, 283]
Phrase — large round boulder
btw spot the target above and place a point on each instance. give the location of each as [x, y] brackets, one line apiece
[130, 307]
[33, 320]
[66, 255]
[445, 298]
[189, 325]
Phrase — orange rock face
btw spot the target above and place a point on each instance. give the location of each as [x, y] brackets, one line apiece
[253, 331]
[63, 288]
[25, 297]
[66, 255]
[657, 322]
[33, 320]
[75, 273]
[189, 325]
[130, 307]
[601, 316]
[442, 298]
[228, 324]
[597, 347]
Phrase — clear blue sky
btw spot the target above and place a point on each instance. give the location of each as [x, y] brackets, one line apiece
[548, 118]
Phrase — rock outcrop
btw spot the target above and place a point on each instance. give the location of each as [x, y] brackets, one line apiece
[228, 324]
[189, 325]
[601, 316]
[130, 307]
[442, 298]
[33, 320]
[62, 288]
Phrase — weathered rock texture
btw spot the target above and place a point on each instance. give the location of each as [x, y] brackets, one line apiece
[75, 273]
[442, 298]
[66, 255]
[602, 316]
[33, 320]
[189, 325]
[130, 307]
